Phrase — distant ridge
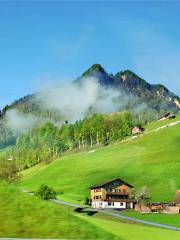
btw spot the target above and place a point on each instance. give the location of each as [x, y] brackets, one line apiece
[156, 96]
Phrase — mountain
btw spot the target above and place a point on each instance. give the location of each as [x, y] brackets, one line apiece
[157, 97]
[144, 100]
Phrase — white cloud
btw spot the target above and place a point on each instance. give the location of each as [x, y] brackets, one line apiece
[73, 101]
[18, 122]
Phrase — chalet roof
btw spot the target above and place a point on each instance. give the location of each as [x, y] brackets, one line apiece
[165, 115]
[102, 184]
[137, 126]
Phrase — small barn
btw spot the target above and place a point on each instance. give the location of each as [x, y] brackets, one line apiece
[137, 129]
[166, 116]
[161, 207]
[177, 196]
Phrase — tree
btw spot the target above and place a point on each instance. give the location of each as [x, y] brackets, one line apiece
[47, 141]
[87, 201]
[9, 172]
[142, 196]
[46, 193]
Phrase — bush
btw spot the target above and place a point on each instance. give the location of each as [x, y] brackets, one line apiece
[9, 172]
[46, 192]
[87, 201]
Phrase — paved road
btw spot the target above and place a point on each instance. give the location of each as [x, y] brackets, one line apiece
[117, 214]
[67, 203]
[111, 213]
[142, 221]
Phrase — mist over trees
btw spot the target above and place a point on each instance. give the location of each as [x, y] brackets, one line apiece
[45, 143]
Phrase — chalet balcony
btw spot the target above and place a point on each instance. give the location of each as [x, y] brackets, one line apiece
[118, 193]
[117, 200]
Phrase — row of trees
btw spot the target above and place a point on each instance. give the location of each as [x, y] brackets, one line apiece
[45, 143]
[7, 138]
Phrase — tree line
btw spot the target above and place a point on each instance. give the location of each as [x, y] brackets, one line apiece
[47, 142]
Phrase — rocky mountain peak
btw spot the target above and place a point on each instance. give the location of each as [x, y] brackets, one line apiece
[94, 68]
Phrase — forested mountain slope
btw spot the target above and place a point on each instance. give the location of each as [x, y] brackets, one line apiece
[156, 96]
[94, 91]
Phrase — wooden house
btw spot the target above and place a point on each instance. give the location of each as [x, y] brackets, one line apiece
[161, 207]
[137, 129]
[114, 194]
[166, 116]
[177, 197]
[170, 208]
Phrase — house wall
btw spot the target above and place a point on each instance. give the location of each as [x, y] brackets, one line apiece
[163, 118]
[160, 209]
[135, 130]
[172, 209]
[142, 208]
[101, 204]
[100, 193]
[177, 196]
[123, 187]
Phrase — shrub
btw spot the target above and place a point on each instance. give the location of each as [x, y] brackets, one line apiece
[9, 172]
[87, 201]
[45, 192]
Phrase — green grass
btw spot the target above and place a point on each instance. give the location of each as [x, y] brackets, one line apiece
[155, 124]
[126, 231]
[168, 219]
[24, 216]
[152, 160]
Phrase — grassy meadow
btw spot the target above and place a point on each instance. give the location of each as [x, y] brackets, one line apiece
[25, 216]
[167, 219]
[152, 160]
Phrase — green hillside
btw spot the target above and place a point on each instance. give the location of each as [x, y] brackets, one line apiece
[153, 160]
[26, 216]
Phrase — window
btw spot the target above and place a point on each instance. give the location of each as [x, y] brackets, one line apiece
[110, 204]
[117, 190]
[97, 190]
[115, 183]
[109, 189]
[121, 204]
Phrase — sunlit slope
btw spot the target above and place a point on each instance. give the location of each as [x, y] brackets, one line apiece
[27, 216]
[24, 216]
[152, 160]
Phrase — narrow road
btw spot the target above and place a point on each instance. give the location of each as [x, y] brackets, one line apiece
[142, 221]
[67, 203]
[113, 213]
[117, 214]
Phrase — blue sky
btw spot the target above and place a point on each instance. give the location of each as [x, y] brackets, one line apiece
[42, 42]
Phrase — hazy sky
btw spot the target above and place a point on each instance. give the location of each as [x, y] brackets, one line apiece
[56, 41]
